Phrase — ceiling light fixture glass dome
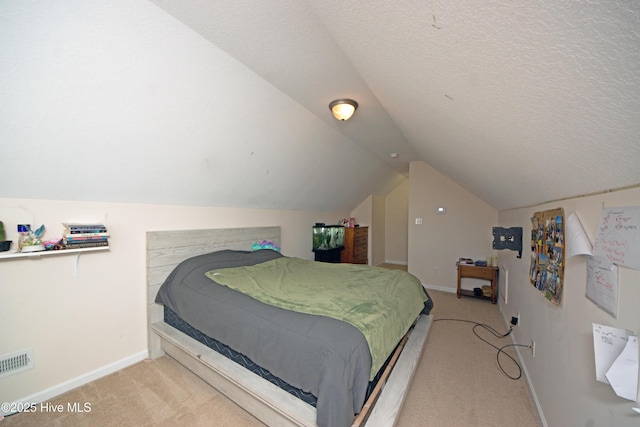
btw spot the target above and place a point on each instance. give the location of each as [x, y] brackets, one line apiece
[343, 109]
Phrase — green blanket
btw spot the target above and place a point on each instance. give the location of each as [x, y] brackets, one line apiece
[381, 303]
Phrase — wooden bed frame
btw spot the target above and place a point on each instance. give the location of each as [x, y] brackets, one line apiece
[265, 401]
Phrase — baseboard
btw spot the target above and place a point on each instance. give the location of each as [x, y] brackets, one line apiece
[388, 261]
[440, 288]
[523, 366]
[66, 386]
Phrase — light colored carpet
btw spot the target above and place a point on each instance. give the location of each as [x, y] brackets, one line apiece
[150, 393]
[393, 266]
[458, 383]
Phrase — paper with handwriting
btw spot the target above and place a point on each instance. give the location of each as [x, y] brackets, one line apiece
[618, 236]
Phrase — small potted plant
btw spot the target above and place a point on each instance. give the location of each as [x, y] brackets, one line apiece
[4, 244]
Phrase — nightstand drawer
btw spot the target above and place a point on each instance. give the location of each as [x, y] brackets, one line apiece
[476, 272]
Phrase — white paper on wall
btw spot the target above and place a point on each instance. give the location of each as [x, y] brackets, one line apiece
[618, 236]
[623, 374]
[602, 284]
[577, 241]
[608, 344]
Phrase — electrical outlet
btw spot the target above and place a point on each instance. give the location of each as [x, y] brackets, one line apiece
[515, 320]
[533, 348]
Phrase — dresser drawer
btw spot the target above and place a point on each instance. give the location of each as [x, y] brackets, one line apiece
[360, 241]
[360, 252]
[356, 245]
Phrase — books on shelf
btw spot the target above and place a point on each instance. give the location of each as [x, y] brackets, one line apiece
[80, 245]
[86, 236]
[72, 228]
[69, 239]
[81, 235]
[76, 235]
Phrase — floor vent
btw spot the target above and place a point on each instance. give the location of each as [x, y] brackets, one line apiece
[17, 362]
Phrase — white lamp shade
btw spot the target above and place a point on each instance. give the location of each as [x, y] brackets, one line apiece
[343, 109]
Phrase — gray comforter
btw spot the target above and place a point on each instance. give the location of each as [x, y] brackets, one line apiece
[317, 354]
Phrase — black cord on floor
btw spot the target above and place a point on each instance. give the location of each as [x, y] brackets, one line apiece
[500, 349]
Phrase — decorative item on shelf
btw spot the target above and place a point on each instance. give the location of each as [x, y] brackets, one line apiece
[486, 291]
[30, 241]
[5, 245]
[53, 244]
[23, 235]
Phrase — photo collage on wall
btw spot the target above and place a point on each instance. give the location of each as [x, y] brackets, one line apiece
[547, 253]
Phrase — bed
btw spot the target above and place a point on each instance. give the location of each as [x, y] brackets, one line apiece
[285, 343]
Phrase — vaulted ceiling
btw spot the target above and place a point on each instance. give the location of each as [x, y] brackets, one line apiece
[225, 102]
[519, 102]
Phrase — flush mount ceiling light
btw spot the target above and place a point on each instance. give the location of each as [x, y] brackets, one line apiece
[343, 109]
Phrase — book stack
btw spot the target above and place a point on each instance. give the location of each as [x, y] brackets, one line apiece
[76, 236]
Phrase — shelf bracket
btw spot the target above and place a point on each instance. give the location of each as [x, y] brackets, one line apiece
[75, 267]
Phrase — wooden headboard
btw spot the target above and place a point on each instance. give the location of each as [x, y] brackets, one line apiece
[167, 249]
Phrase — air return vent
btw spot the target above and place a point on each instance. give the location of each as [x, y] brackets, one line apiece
[17, 362]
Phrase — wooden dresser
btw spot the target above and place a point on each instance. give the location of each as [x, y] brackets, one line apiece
[356, 245]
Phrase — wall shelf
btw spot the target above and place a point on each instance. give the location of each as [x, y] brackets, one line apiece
[15, 255]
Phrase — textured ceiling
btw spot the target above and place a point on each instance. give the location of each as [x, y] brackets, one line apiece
[519, 102]
[225, 102]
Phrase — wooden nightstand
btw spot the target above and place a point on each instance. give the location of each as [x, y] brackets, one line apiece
[475, 272]
[356, 245]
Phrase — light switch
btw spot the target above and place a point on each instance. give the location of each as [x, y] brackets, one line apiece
[418, 221]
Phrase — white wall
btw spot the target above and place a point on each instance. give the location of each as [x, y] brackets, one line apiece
[464, 231]
[118, 101]
[386, 236]
[82, 323]
[377, 232]
[563, 371]
[396, 224]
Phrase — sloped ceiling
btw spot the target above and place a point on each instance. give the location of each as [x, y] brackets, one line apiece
[118, 101]
[519, 102]
[225, 102]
